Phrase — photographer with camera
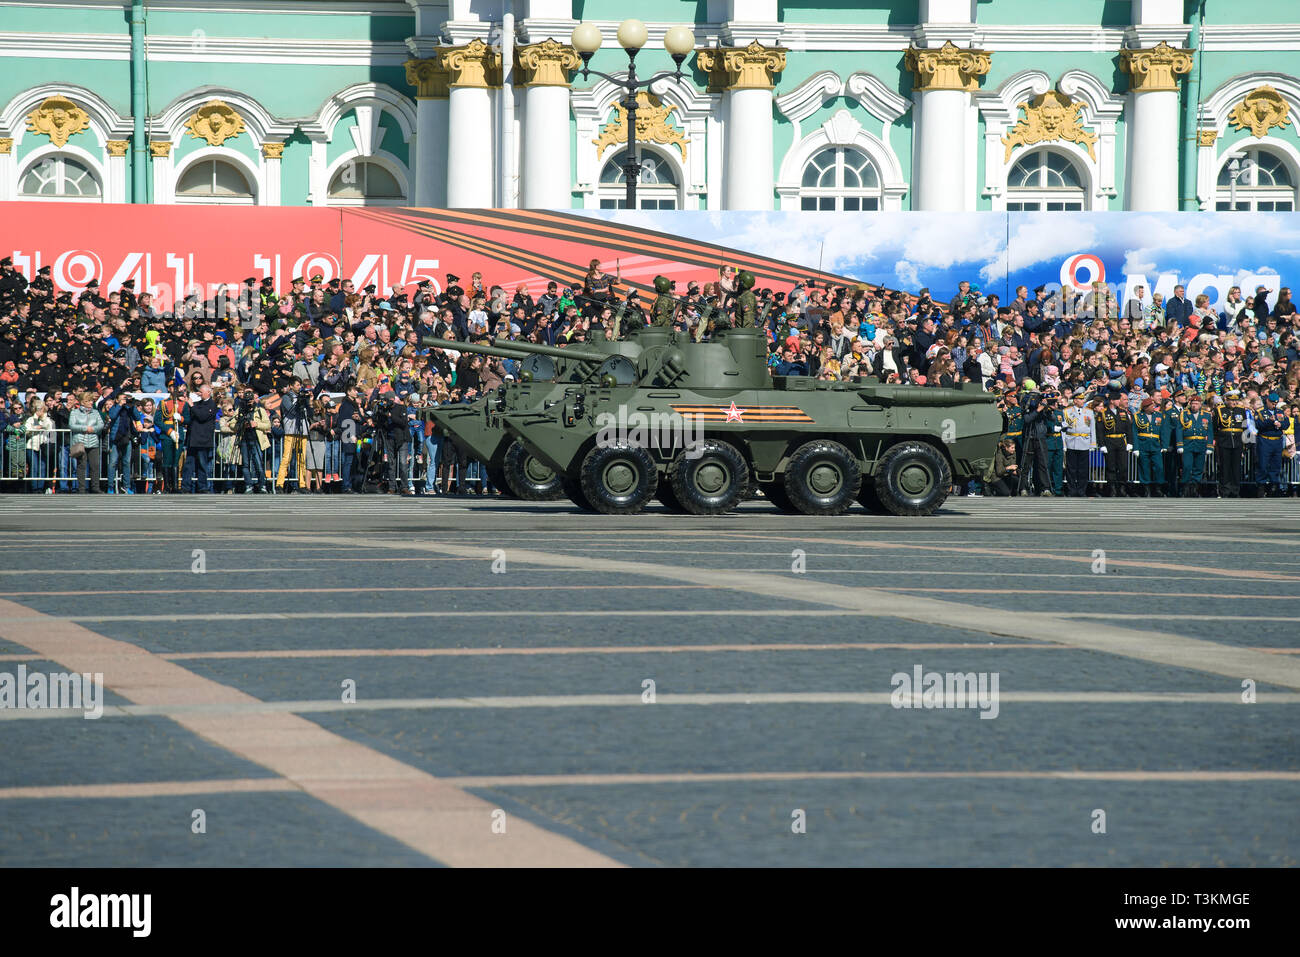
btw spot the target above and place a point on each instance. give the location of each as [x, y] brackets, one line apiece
[1038, 425]
[252, 435]
[295, 412]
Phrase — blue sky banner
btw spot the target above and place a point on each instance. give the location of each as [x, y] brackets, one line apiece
[1206, 252]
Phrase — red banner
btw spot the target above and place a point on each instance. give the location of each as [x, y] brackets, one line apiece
[167, 249]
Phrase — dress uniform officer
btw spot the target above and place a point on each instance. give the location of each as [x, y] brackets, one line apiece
[1195, 434]
[1055, 445]
[1169, 441]
[1271, 423]
[1229, 426]
[1116, 427]
[746, 302]
[1080, 437]
[1149, 440]
[664, 304]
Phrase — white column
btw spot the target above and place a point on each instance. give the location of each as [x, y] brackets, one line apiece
[748, 182]
[8, 168]
[430, 152]
[941, 151]
[430, 147]
[161, 153]
[546, 148]
[115, 188]
[1154, 135]
[1153, 150]
[469, 161]
[747, 75]
[943, 147]
[271, 156]
[471, 166]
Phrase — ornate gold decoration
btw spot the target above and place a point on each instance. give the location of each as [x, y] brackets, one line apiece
[1156, 68]
[6, 144]
[160, 149]
[651, 125]
[1206, 137]
[273, 151]
[1260, 111]
[474, 64]
[547, 63]
[117, 147]
[1050, 116]
[429, 77]
[741, 68]
[58, 118]
[215, 122]
[948, 68]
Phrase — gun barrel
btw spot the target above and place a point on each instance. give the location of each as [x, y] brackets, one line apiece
[502, 351]
[517, 350]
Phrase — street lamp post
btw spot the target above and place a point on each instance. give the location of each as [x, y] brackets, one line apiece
[632, 35]
[1240, 165]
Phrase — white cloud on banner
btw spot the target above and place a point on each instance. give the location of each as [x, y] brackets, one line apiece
[915, 249]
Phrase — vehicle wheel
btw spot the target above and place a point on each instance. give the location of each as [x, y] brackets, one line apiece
[573, 491]
[619, 479]
[869, 499]
[775, 494]
[500, 481]
[668, 499]
[913, 478]
[822, 478]
[528, 477]
[713, 482]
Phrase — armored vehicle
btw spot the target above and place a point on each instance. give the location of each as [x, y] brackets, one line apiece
[698, 423]
[545, 373]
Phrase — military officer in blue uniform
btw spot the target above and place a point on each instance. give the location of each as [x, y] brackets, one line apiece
[1149, 439]
[1271, 423]
[1195, 434]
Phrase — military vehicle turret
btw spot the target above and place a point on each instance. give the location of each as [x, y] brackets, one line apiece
[545, 372]
[700, 421]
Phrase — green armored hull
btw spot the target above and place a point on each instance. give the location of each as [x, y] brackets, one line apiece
[703, 422]
[477, 428]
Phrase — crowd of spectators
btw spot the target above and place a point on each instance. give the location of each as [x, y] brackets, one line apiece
[322, 366]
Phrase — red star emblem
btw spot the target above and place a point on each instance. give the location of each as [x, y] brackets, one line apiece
[734, 414]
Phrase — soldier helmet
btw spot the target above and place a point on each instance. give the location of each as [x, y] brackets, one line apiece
[746, 279]
[661, 284]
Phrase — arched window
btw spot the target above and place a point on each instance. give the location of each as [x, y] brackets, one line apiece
[839, 177]
[656, 188]
[59, 177]
[213, 181]
[1257, 181]
[363, 183]
[1044, 180]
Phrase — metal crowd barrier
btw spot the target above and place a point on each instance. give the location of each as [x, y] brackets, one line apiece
[1290, 467]
[51, 465]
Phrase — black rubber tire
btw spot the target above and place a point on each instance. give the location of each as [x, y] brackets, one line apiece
[573, 491]
[497, 476]
[775, 494]
[913, 478]
[523, 471]
[870, 499]
[668, 499]
[630, 467]
[716, 480]
[822, 478]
